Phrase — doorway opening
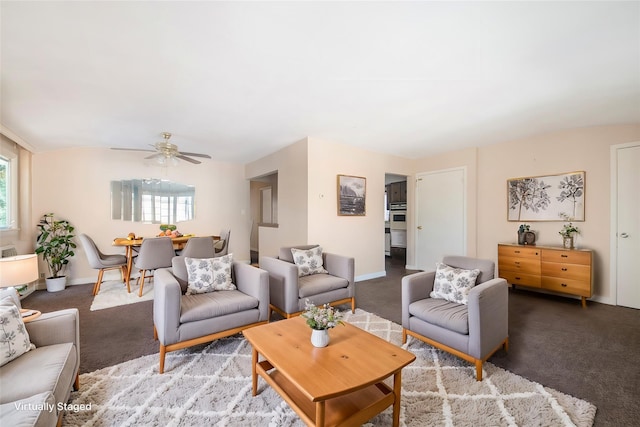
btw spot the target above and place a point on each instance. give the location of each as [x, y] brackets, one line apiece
[264, 209]
[395, 219]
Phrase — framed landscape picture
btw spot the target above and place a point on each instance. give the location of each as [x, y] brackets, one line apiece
[546, 198]
[352, 191]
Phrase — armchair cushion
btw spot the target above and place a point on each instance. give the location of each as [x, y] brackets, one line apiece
[209, 274]
[216, 304]
[14, 338]
[452, 283]
[449, 315]
[318, 284]
[308, 261]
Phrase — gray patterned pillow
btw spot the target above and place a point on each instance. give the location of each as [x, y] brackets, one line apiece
[209, 274]
[309, 261]
[453, 284]
[14, 338]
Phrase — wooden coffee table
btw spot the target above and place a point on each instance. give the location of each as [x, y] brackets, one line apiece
[338, 385]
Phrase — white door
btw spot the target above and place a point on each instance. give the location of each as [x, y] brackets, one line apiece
[628, 227]
[440, 216]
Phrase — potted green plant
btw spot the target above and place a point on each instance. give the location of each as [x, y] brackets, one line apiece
[55, 243]
[567, 232]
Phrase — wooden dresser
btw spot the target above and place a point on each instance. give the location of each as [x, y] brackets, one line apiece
[556, 269]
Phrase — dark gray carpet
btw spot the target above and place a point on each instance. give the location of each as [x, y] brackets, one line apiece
[590, 353]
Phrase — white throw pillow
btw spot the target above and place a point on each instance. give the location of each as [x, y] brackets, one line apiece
[309, 261]
[14, 338]
[209, 274]
[453, 284]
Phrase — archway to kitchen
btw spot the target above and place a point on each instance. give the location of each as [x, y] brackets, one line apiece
[395, 220]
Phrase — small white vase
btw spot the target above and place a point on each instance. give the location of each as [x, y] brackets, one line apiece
[320, 337]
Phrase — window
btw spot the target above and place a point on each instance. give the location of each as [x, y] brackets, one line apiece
[8, 192]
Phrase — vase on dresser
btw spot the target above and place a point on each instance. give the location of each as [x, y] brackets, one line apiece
[567, 242]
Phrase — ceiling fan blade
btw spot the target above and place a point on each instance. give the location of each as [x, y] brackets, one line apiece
[188, 159]
[133, 149]
[154, 156]
[206, 156]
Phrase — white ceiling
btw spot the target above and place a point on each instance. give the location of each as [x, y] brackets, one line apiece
[239, 80]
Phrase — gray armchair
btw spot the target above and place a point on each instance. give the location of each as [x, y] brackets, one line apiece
[473, 331]
[182, 321]
[288, 292]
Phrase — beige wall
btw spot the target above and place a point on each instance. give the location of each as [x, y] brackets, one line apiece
[359, 236]
[291, 165]
[74, 184]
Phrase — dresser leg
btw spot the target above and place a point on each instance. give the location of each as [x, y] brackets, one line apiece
[584, 302]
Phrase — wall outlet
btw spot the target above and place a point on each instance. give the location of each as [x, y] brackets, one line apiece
[42, 275]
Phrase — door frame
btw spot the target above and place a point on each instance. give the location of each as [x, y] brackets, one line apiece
[613, 223]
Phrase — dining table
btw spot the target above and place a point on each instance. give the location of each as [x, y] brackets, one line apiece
[130, 245]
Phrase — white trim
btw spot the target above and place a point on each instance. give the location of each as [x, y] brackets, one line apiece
[370, 276]
[613, 222]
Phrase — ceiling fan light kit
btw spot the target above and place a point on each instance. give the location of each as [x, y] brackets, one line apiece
[167, 154]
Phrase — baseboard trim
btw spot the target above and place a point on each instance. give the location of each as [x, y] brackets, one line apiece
[370, 276]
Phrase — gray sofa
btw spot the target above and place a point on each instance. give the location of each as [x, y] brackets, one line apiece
[473, 331]
[288, 292]
[181, 320]
[36, 385]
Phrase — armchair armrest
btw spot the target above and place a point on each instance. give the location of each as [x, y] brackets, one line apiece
[415, 287]
[56, 327]
[340, 266]
[488, 307]
[253, 281]
[283, 283]
[166, 305]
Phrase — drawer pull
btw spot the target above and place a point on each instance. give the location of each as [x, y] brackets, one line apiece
[516, 252]
[517, 278]
[564, 285]
[517, 262]
[564, 269]
[564, 256]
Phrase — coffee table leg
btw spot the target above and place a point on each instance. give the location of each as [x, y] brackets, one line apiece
[397, 391]
[320, 414]
[254, 375]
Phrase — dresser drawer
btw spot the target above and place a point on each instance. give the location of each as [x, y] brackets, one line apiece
[519, 265]
[514, 278]
[567, 271]
[569, 286]
[567, 256]
[518, 251]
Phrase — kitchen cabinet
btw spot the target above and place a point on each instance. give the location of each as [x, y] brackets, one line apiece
[555, 269]
[397, 192]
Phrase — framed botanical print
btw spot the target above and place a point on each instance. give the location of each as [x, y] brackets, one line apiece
[352, 191]
[546, 198]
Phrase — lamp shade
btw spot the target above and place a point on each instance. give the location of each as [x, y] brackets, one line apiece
[18, 270]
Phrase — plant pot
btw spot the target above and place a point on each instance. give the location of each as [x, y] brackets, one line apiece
[56, 284]
[567, 242]
[320, 337]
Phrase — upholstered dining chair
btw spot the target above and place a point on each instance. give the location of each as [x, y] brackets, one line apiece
[155, 252]
[103, 262]
[222, 245]
[199, 247]
[436, 310]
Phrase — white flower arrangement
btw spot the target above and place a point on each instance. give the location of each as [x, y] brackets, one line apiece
[320, 318]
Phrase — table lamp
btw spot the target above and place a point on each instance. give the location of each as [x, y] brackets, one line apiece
[18, 270]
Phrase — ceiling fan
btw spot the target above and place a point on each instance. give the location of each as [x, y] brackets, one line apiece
[166, 152]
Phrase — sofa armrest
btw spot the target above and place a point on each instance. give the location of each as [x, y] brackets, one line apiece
[415, 287]
[56, 327]
[488, 308]
[341, 266]
[283, 283]
[253, 281]
[166, 305]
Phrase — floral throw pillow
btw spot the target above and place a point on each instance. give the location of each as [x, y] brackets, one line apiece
[453, 284]
[14, 338]
[309, 261]
[209, 274]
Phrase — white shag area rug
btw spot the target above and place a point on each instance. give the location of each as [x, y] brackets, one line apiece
[211, 385]
[114, 293]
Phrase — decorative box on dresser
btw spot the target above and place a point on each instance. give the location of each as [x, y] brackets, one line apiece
[551, 268]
